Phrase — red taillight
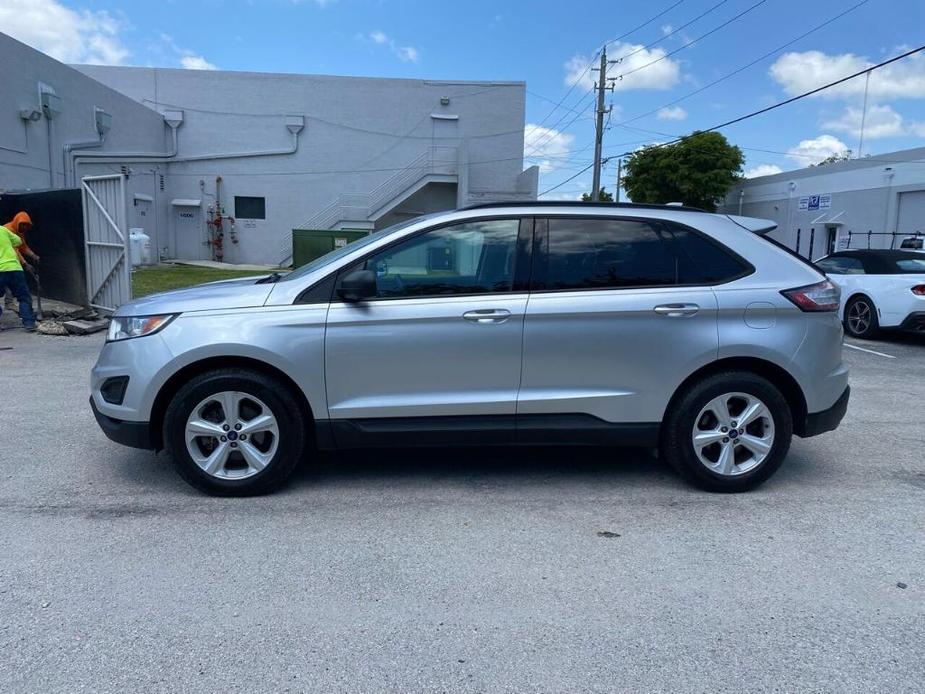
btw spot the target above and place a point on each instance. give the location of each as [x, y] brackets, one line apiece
[822, 296]
[919, 290]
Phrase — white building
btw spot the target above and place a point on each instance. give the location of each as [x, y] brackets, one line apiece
[266, 152]
[875, 201]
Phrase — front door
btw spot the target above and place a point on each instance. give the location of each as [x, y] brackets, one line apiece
[620, 314]
[442, 338]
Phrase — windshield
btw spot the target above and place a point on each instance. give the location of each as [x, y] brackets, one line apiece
[338, 253]
[911, 266]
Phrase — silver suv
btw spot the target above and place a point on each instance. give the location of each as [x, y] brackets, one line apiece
[519, 323]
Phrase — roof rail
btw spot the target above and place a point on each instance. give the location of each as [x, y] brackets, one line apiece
[579, 203]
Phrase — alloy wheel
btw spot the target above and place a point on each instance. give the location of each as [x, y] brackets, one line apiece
[859, 317]
[232, 435]
[733, 434]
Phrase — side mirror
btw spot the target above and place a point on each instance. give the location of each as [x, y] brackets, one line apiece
[358, 285]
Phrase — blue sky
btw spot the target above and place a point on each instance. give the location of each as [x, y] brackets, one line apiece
[547, 45]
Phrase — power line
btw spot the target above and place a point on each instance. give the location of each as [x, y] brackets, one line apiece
[588, 67]
[551, 134]
[746, 66]
[570, 178]
[591, 62]
[671, 33]
[693, 41]
[817, 89]
[759, 112]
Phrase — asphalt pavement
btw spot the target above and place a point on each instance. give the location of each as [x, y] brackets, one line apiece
[555, 570]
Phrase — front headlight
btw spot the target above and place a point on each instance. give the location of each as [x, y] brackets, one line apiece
[125, 327]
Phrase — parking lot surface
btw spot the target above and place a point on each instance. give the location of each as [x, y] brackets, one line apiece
[467, 570]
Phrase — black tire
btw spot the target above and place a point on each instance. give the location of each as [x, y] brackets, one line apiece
[677, 429]
[275, 395]
[866, 307]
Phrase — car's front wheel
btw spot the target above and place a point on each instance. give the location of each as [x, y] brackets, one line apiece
[234, 432]
[728, 432]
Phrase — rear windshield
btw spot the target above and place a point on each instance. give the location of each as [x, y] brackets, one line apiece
[911, 266]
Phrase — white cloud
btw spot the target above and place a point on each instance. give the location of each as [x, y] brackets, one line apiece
[667, 29]
[881, 121]
[815, 150]
[636, 60]
[406, 54]
[71, 36]
[763, 170]
[545, 146]
[801, 72]
[188, 59]
[196, 62]
[671, 113]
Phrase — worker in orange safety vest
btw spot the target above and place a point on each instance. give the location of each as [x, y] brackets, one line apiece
[20, 225]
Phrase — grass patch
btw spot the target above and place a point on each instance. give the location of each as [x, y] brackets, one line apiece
[162, 278]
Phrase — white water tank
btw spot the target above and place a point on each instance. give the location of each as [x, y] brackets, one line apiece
[139, 247]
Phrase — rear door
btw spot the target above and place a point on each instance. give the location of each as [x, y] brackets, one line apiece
[441, 340]
[620, 313]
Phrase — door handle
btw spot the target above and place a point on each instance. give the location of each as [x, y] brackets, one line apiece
[676, 310]
[489, 315]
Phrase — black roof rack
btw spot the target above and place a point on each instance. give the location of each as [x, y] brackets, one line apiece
[566, 203]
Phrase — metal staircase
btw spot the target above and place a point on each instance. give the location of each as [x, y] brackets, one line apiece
[363, 208]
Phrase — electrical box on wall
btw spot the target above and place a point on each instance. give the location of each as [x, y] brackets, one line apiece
[51, 105]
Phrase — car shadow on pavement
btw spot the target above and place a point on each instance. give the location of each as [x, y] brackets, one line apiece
[471, 466]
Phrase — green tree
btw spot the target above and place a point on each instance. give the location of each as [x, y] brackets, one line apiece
[602, 196]
[696, 171]
[834, 158]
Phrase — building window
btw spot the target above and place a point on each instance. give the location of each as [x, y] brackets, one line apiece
[250, 208]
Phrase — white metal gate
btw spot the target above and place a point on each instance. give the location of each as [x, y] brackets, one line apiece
[109, 279]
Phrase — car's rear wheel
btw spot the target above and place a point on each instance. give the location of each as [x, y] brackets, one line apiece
[235, 432]
[728, 432]
[861, 318]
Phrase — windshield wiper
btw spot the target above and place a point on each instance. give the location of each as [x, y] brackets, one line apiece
[270, 279]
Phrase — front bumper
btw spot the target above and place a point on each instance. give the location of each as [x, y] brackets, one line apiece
[134, 434]
[826, 420]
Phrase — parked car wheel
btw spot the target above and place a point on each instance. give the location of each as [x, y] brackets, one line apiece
[728, 432]
[861, 318]
[235, 432]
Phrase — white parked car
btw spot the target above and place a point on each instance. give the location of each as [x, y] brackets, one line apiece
[879, 289]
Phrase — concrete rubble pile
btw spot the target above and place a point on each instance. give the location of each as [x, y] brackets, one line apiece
[60, 318]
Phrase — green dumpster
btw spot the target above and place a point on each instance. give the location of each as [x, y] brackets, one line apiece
[308, 244]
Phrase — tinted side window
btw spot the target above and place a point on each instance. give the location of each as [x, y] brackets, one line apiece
[469, 258]
[841, 266]
[701, 261]
[604, 253]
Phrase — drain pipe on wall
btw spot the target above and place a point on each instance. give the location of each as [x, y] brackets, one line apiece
[294, 124]
[172, 119]
[102, 121]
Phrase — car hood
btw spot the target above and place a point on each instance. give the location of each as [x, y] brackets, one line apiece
[236, 293]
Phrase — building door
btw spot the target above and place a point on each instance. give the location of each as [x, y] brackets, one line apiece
[831, 239]
[187, 224]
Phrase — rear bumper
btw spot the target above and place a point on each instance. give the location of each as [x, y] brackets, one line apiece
[914, 321]
[134, 434]
[827, 420]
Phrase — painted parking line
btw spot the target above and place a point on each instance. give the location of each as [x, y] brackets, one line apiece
[869, 351]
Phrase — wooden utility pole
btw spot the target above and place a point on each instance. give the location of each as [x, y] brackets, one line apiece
[599, 131]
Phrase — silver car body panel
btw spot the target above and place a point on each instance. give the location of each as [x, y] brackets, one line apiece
[605, 353]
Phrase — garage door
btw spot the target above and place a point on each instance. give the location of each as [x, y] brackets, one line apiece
[911, 212]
